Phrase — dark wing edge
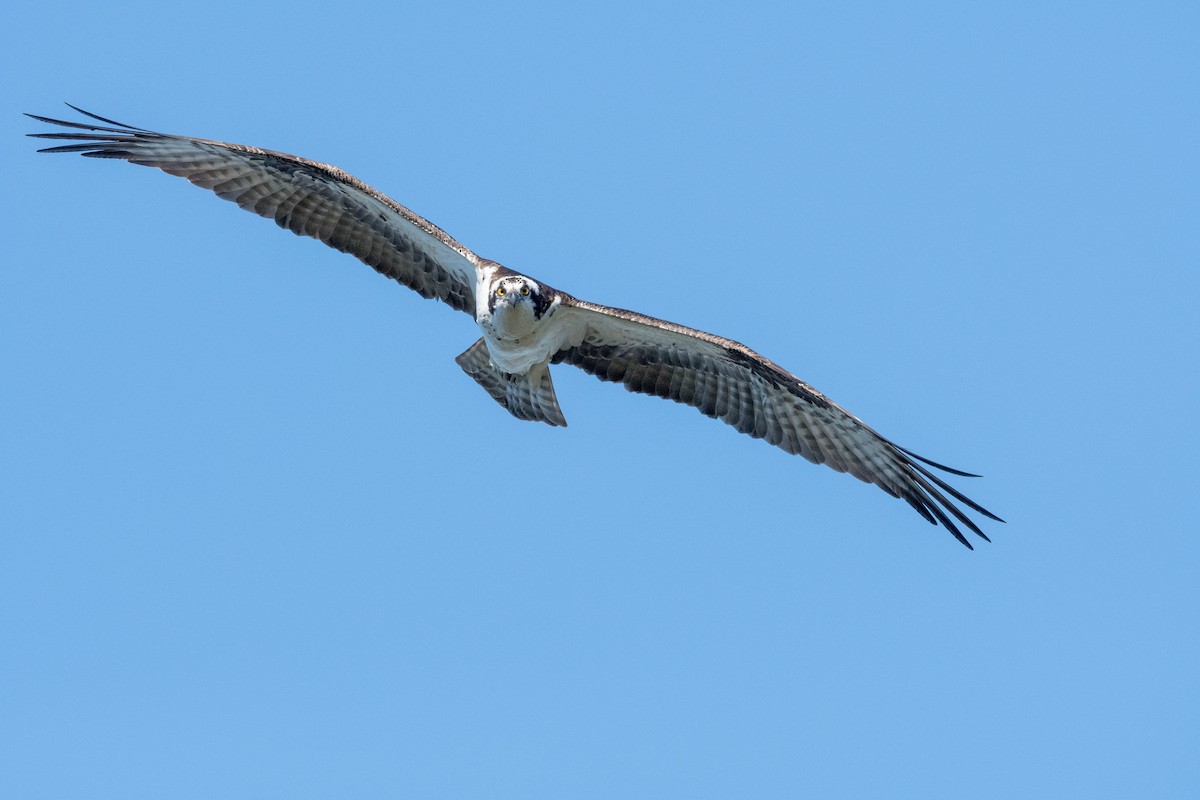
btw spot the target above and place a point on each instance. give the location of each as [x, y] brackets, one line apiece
[306, 197]
[726, 380]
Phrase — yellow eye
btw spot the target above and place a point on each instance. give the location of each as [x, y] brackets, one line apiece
[500, 291]
[524, 290]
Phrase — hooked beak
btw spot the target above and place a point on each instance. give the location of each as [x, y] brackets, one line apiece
[512, 298]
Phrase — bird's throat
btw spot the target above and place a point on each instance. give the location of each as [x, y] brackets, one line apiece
[512, 322]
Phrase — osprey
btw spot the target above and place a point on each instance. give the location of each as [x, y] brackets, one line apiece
[527, 325]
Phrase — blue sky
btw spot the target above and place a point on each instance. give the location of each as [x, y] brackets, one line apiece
[262, 538]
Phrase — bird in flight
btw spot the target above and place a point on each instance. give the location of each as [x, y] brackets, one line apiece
[527, 325]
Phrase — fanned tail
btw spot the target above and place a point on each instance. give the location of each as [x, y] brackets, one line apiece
[529, 396]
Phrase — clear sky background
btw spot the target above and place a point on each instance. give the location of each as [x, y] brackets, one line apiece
[262, 538]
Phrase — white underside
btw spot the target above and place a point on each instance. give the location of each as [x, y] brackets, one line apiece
[518, 343]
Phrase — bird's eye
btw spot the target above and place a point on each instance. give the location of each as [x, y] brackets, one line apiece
[500, 291]
[524, 290]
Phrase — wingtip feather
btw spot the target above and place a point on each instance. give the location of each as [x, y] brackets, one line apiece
[105, 119]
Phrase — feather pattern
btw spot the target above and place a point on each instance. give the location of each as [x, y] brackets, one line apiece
[528, 397]
[726, 380]
[306, 197]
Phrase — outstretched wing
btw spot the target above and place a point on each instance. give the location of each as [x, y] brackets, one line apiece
[306, 197]
[728, 381]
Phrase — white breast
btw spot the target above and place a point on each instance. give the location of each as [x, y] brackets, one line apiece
[518, 342]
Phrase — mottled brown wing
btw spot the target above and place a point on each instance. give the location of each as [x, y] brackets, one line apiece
[306, 197]
[728, 381]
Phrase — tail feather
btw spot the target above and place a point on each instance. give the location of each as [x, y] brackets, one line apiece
[529, 396]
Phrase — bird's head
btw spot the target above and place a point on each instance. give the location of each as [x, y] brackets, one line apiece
[519, 294]
[513, 305]
[512, 290]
